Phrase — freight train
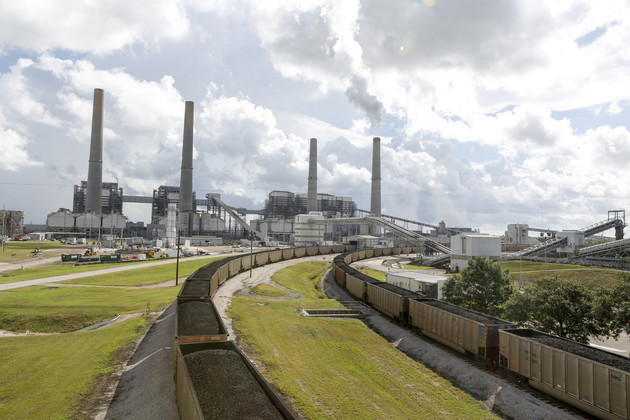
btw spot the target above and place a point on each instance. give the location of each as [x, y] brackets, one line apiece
[590, 379]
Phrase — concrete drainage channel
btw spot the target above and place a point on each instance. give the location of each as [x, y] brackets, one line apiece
[355, 311]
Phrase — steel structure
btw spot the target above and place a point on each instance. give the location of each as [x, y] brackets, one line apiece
[395, 230]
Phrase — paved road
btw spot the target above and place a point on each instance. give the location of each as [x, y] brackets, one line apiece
[124, 267]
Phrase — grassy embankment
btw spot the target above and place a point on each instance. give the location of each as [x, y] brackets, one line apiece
[62, 375]
[333, 368]
[58, 376]
[126, 278]
[589, 276]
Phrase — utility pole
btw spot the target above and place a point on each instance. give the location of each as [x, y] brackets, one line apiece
[251, 252]
[178, 237]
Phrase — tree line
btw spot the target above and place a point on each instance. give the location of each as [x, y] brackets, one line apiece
[562, 307]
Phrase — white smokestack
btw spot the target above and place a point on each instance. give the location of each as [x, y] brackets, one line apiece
[186, 177]
[375, 205]
[311, 203]
[95, 163]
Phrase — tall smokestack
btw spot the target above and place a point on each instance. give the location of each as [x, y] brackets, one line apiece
[186, 179]
[375, 205]
[311, 204]
[95, 164]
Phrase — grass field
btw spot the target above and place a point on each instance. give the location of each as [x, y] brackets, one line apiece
[145, 276]
[66, 309]
[589, 276]
[265, 289]
[377, 274]
[185, 268]
[55, 376]
[340, 368]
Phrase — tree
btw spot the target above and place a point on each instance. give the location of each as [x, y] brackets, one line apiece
[482, 286]
[561, 307]
[612, 307]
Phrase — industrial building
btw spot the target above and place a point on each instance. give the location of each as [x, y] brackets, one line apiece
[465, 247]
[111, 198]
[287, 204]
[428, 284]
[11, 222]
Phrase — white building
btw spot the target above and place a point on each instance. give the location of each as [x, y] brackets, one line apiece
[428, 284]
[466, 246]
[306, 231]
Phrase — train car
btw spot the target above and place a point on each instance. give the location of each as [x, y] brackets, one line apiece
[386, 251]
[369, 253]
[461, 329]
[337, 249]
[299, 252]
[197, 321]
[590, 379]
[391, 300]
[356, 286]
[216, 380]
[275, 256]
[360, 255]
[395, 251]
[235, 266]
[195, 288]
[224, 272]
[288, 253]
[247, 261]
[325, 250]
[261, 258]
[311, 251]
[340, 275]
[378, 252]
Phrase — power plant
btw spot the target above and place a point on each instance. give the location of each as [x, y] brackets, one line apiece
[304, 218]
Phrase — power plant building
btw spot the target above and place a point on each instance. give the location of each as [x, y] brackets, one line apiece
[284, 204]
[111, 198]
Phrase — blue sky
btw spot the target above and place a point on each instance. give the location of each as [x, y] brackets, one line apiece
[491, 112]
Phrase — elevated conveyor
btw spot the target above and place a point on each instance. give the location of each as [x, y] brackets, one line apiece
[393, 228]
[238, 218]
[612, 247]
[554, 243]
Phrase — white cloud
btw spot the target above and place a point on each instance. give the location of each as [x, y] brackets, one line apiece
[14, 157]
[99, 27]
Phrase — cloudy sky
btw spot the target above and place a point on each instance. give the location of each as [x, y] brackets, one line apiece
[491, 112]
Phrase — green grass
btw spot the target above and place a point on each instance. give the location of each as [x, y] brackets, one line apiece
[65, 309]
[144, 276]
[126, 278]
[377, 274]
[340, 368]
[54, 377]
[266, 289]
[417, 267]
[591, 277]
[303, 278]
